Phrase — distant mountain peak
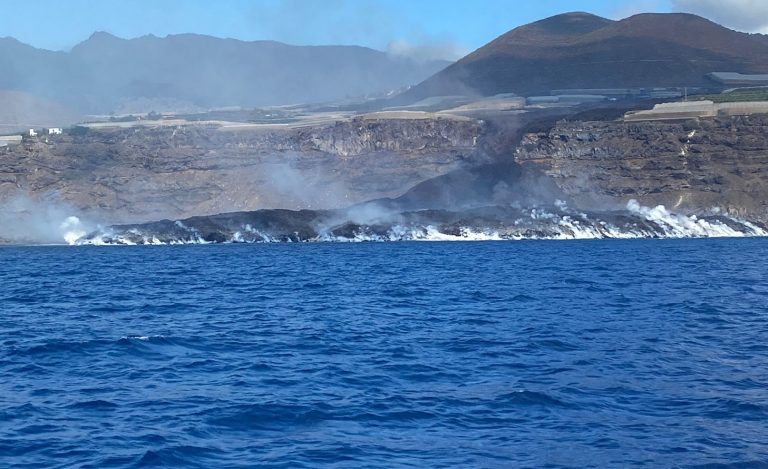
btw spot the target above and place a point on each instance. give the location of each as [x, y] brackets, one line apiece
[583, 51]
[669, 20]
[577, 22]
[103, 36]
[105, 73]
[553, 30]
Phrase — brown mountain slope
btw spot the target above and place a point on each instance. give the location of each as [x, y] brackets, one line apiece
[579, 50]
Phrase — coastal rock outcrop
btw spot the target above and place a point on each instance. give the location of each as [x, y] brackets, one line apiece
[694, 165]
[136, 174]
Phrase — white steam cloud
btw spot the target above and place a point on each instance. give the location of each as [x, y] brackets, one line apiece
[635, 7]
[744, 15]
[309, 188]
[373, 23]
[25, 220]
[426, 51]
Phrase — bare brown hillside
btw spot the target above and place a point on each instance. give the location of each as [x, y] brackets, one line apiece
[579, 50]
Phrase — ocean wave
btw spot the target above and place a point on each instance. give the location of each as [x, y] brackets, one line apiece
[138, 337]
[387, 354]
[523, 397]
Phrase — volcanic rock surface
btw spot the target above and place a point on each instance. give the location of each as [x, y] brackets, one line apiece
[689, 166]
[145, 173]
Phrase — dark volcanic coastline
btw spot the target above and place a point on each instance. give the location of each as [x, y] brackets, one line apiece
[689, 165]
[480, 223]
[534, 176]
[507, 200]
[469, 152]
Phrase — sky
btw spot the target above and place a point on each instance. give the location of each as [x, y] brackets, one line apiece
[426, 28]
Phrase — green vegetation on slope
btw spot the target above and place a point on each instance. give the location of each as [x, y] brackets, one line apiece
[739, 96]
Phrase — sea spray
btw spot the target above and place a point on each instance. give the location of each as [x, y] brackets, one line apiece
[682, 226]
[72, 229]
[486, 224]
[28, 220]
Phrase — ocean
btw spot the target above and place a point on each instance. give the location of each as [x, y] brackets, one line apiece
[594, 353]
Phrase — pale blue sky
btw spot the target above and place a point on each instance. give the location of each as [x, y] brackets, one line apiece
[444, 26]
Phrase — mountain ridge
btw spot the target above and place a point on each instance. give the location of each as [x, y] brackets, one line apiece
[102, 73]
[580, 50]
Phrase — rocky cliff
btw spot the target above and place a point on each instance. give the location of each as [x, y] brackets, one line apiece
[696, 165]
[141, 173]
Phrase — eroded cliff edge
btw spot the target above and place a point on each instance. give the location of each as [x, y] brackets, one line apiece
[691, 166]
[173, 171]
[410, 163]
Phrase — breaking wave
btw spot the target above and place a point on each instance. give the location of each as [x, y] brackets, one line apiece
[559, 222]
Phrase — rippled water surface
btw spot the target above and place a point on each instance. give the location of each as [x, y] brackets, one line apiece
[508, 354]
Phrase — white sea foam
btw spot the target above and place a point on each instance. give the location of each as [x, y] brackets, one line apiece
[431, 233]
[682, 226]
[72, 229]
[637, 222]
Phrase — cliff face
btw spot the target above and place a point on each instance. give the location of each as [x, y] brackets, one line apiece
[689, 166]
[130, 175]
[139, 174]
[366, 135]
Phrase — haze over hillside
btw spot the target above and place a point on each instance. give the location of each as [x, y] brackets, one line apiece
[190, 73]
[19, 110]
[187, 71]
[580, 50]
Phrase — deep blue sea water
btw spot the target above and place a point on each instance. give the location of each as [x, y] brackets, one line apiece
[495, 354]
